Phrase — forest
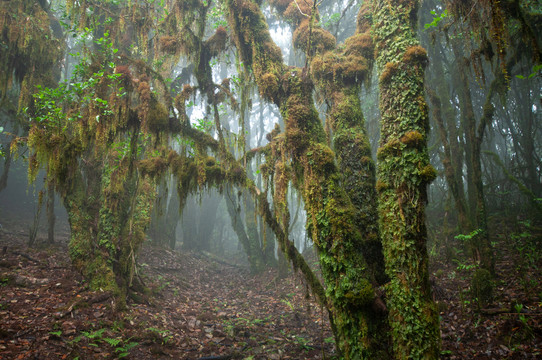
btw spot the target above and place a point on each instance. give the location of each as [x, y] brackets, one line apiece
[270, 179]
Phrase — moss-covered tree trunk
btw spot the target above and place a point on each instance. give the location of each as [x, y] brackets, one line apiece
[108, 217]
[403, 175]
[303, 155]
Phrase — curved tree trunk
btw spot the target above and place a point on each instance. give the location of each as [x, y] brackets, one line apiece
[312, 167]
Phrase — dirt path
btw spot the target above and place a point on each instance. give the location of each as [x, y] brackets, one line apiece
[199, 309]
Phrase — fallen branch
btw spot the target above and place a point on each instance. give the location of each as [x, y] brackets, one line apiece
[26, 256]
[97, 299]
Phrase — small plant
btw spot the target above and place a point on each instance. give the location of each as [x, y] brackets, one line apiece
[436, 19]
[519, 308]
[289, 303]
[164, 335]
[302, 342]
[96, 339]
[56, 333]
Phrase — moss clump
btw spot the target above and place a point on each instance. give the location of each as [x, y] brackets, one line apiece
[321, 157]
[361, 45]
[269, 86]
[482, 287]
[321, 40]
[428, 173]
[125, 76]
[217, 42]
[381, 186]
[272, 51]
[280, 5]
[346, 70]
[157, 117]
[362, 295]
[298, 11]
[364, 19]
[168, 44]
[413, 139]
[416, 55]
[153, 167]
[364, 160]
[391, 148]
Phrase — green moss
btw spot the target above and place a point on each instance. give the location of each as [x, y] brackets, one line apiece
[428, 173]
[321, 158]
[381, 186]
[362, 295]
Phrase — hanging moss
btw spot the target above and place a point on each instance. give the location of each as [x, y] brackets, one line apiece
[30, 53]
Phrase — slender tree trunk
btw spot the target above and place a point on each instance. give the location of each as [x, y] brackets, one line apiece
[403, 175]
[5, 171]
[172, 220]
[250, 245]
[189, 225]
[51, 212]
[206, 220]
[444, 118]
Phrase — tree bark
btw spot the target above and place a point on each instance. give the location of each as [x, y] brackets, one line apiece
[403, 175]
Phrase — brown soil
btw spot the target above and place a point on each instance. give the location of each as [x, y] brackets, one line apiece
[201, 307]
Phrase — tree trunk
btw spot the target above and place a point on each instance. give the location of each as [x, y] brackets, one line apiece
[51, 212]
[403, 175]
[5, 171]
[251, 245]
[108, 211]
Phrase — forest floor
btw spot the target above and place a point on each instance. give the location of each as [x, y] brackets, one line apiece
[205, 308]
